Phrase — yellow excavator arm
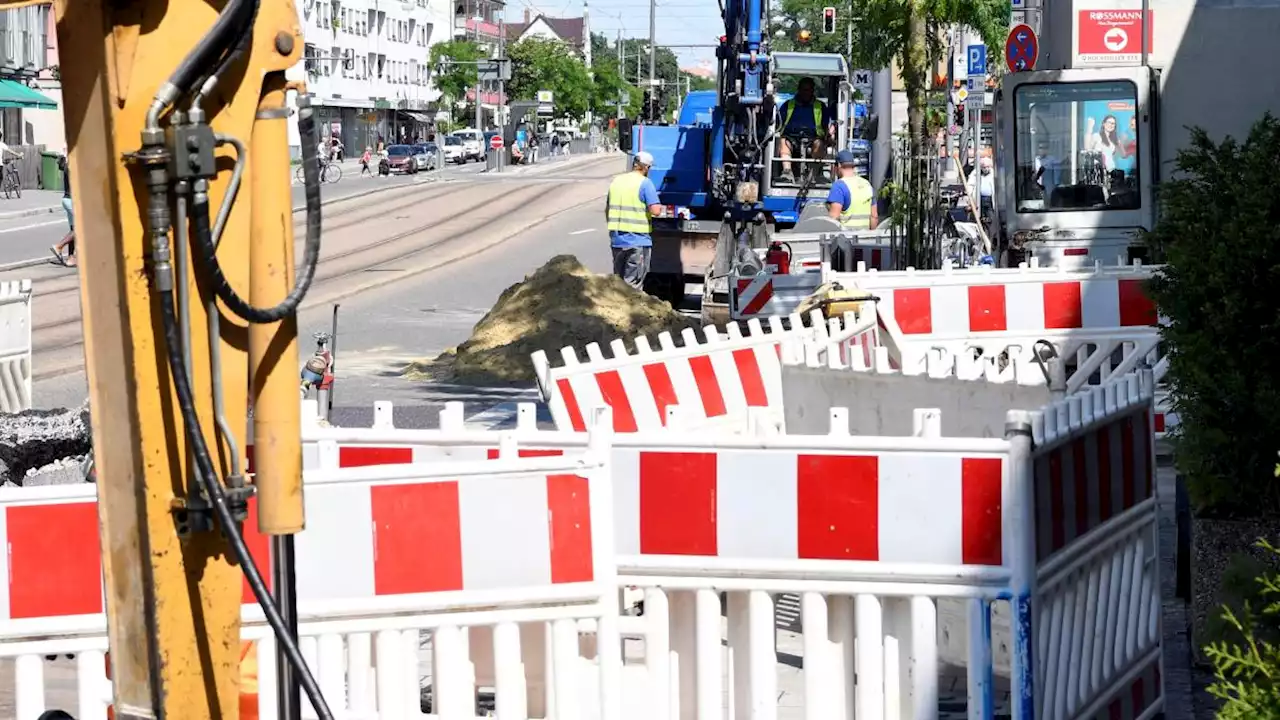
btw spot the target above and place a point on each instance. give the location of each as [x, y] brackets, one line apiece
[166, 101]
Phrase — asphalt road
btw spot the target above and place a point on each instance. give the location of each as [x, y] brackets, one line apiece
[514, 225]
[29, 237]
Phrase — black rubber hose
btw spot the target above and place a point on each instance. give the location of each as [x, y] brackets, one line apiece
[207, 476]
[244, 35]
[311, 249]
[206, 52]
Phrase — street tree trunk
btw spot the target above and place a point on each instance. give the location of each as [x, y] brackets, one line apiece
[915, 73]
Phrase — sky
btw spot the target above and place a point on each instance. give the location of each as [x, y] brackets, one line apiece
[679, 22]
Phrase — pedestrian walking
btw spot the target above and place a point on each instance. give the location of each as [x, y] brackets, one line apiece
[68, 243]
[555, 144]
[631, 201]
[364, 162]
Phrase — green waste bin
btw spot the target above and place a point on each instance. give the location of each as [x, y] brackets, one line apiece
[50, 175]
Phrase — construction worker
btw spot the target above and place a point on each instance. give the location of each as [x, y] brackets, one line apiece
[804, 115]
[632, 200]
[851, 200]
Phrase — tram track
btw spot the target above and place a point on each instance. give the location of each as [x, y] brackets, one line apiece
[376, 248]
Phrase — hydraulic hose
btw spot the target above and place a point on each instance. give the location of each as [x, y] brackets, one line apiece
[245, 36]
[311, 248]
[207, 476]
[211, 47]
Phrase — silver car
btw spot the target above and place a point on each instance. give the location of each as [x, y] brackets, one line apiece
[424, 156]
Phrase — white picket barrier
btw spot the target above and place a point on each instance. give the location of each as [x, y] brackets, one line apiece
[389, 552]
[1098, 609]
[752, 517]
[15, 346]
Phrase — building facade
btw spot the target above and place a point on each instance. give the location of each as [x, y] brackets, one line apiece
[366, 65]
[30, 93]
[480, 21]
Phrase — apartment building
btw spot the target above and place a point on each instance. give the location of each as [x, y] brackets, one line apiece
[30, 94]
[481, 21]
[366, 63]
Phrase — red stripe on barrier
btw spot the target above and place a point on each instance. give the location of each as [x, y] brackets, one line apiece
[664, 392]
[571, 405]
[1062, 308]
[1147, 461]
[752, 380]
[913, 309]
[1159, 422]
[838, 507]
[1057, 507]
[615, 396]
[981, 505]
[1126, 461]
[987, 308]
[678, 503]
[259, 549]
[408, 519]
[704, 376]
[55, 560]
[569, 521]
[363, 456]
[1104, 472]
[1136, 309]
[1081, 481]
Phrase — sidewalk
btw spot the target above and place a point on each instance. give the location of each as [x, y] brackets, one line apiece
[32, 202]
[551, 164]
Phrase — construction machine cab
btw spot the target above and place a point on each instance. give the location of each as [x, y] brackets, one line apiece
[809, 167]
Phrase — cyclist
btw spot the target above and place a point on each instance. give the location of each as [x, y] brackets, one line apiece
[6, 153]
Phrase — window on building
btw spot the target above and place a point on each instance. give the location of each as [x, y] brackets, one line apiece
[1076, 146]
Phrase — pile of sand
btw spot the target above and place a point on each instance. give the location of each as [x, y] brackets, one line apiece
[560, 304]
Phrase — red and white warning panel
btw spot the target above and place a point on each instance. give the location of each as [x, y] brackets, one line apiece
[1111, 37]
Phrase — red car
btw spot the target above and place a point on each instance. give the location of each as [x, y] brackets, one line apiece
[400, 159]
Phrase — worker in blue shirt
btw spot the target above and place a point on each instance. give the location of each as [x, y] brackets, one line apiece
[631, 201]
[804, 114]
[851, 201]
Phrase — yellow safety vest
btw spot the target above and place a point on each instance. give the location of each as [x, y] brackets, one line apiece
[627, 212]
[817, 116]
[858, 215]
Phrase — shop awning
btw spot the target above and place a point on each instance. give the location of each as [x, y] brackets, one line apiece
[417, 116]
[16, 95]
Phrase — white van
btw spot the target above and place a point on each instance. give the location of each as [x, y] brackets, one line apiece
[472, 144]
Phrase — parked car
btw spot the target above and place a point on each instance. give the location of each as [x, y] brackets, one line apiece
[425, 154]
[454, 150]
[401, 159]
[472, 144]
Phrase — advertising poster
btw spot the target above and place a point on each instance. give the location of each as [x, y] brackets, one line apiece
[1111, 37]
[1110, 127]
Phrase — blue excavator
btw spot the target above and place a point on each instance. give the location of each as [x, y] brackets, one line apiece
[718, 170]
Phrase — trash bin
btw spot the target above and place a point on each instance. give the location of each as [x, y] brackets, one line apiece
[50, 175]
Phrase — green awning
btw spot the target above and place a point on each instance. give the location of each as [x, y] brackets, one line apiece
[16, 95]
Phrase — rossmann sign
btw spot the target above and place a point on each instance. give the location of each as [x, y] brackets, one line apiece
[1111, 37]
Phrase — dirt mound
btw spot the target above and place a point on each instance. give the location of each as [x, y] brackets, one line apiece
[560, 304]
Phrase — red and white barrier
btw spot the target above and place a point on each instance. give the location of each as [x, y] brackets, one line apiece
[1027, 300]
[1097, 614]
[717, 379]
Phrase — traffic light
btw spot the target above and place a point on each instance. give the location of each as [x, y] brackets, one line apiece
[828, 20]
[958, 118]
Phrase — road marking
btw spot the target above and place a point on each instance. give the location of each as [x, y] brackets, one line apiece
[36, 225]
[582, 232]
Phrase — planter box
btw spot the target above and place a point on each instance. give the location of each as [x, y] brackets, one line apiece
[1214, 545]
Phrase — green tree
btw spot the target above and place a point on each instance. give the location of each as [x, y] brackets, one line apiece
[454, 67]
[544, 64]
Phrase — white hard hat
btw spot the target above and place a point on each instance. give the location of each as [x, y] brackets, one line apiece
[644, 158]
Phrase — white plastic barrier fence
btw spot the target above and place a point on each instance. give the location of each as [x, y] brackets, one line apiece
[15, 346]
[1098, 637]
[716, 380]
[831, 519]
[389, 552]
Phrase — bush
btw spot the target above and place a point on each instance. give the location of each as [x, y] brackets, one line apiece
[1219, 236]
[1247, 670]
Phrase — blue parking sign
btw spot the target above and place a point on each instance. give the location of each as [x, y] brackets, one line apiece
[977, 60]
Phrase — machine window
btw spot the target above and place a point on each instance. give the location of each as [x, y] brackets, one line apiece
[1077, 146]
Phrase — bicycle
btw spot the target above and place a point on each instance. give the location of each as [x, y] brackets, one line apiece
[12, 184]
[329, 173]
